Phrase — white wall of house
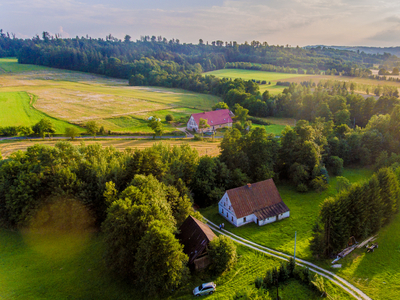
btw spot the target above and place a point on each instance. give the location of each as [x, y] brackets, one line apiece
[191, 124]
[226, 210]
[284, 215]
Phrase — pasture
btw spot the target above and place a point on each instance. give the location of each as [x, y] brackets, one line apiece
[206, 147]
[79, 97]
[272, 77]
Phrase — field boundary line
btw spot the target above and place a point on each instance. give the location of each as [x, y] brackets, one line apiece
[345, 285]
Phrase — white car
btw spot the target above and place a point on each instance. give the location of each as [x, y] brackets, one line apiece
[205, 289]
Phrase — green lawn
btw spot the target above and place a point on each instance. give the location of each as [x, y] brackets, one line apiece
[304, 209]
[377, 273]
[72, 267]
[272, 77]
[16, 110]
[273, 128]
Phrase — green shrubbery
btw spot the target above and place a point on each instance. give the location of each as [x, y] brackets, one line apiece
[222, 253]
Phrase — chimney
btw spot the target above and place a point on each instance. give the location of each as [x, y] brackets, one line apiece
[249, 185]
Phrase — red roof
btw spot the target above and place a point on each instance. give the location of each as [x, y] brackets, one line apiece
[261, 198]
[216, 117]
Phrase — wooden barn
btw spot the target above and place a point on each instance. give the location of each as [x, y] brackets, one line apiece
[195, 236]
[259, 202]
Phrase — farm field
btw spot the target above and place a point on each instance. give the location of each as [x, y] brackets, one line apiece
[71, 266]
[273, 128]
[79, 97]
[16, 110]
[203, 147]
[259, 75]
[304, 209]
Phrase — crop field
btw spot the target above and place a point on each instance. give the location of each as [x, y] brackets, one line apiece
[17, 110]
[79, 97]
[203, 147]
[71, 266]
[304, 209]
[272, 77]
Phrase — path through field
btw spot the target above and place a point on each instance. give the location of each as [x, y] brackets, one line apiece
[345, 285]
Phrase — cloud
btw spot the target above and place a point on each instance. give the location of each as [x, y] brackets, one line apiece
[296, 22]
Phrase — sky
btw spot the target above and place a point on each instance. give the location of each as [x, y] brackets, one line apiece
[278, 22]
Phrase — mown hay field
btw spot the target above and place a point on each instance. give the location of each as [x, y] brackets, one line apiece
[79, 97]
[272, 77]
[203, 147]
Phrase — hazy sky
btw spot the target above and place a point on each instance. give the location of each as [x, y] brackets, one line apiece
[293, 22]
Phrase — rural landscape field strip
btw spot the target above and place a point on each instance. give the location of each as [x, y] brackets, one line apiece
[351, 289]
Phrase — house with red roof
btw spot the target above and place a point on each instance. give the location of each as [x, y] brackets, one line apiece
[259, 202]
[215, 119]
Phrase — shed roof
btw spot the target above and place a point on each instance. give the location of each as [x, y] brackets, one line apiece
[261, 198]
[195, 236]
[216, 117]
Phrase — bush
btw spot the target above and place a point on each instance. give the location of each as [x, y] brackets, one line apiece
[258, 282]
[335, 165]
[222, 254]
[169, 118]
[319, 183]
[302, 188]
[258, 121]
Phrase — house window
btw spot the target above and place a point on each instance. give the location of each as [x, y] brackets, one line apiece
[232, 219]
[222, 211]
[227, 215]
[244, 219]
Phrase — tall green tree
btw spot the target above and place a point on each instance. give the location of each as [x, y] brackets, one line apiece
[92, 128]
[156, 125]
[160, 262]
[43, 127]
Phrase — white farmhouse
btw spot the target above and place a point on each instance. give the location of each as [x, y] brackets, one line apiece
[258, 202]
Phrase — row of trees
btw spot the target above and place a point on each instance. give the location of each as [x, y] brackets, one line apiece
[359, 211]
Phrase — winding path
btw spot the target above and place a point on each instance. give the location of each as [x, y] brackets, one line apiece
[345, 285]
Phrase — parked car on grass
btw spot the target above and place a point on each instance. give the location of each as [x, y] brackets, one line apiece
[205, 289]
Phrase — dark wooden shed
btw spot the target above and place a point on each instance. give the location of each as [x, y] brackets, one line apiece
[195, 236]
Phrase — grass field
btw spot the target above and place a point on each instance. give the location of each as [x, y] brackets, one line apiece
[70, 266]
[272, 77]
[16, 110]
[304, 209]
[78, 97]
[203, 147]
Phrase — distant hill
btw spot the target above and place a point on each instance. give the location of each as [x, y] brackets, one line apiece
[367, 50]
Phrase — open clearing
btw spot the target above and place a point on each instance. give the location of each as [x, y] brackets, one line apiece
[203, 147]
[78, 97]
[272, 77]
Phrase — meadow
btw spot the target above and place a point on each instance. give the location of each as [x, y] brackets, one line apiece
[272, 77]
[71, 266]
[17, 110]
[77, 97]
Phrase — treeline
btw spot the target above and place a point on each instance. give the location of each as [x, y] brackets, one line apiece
[91, 55]
[359, 211]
